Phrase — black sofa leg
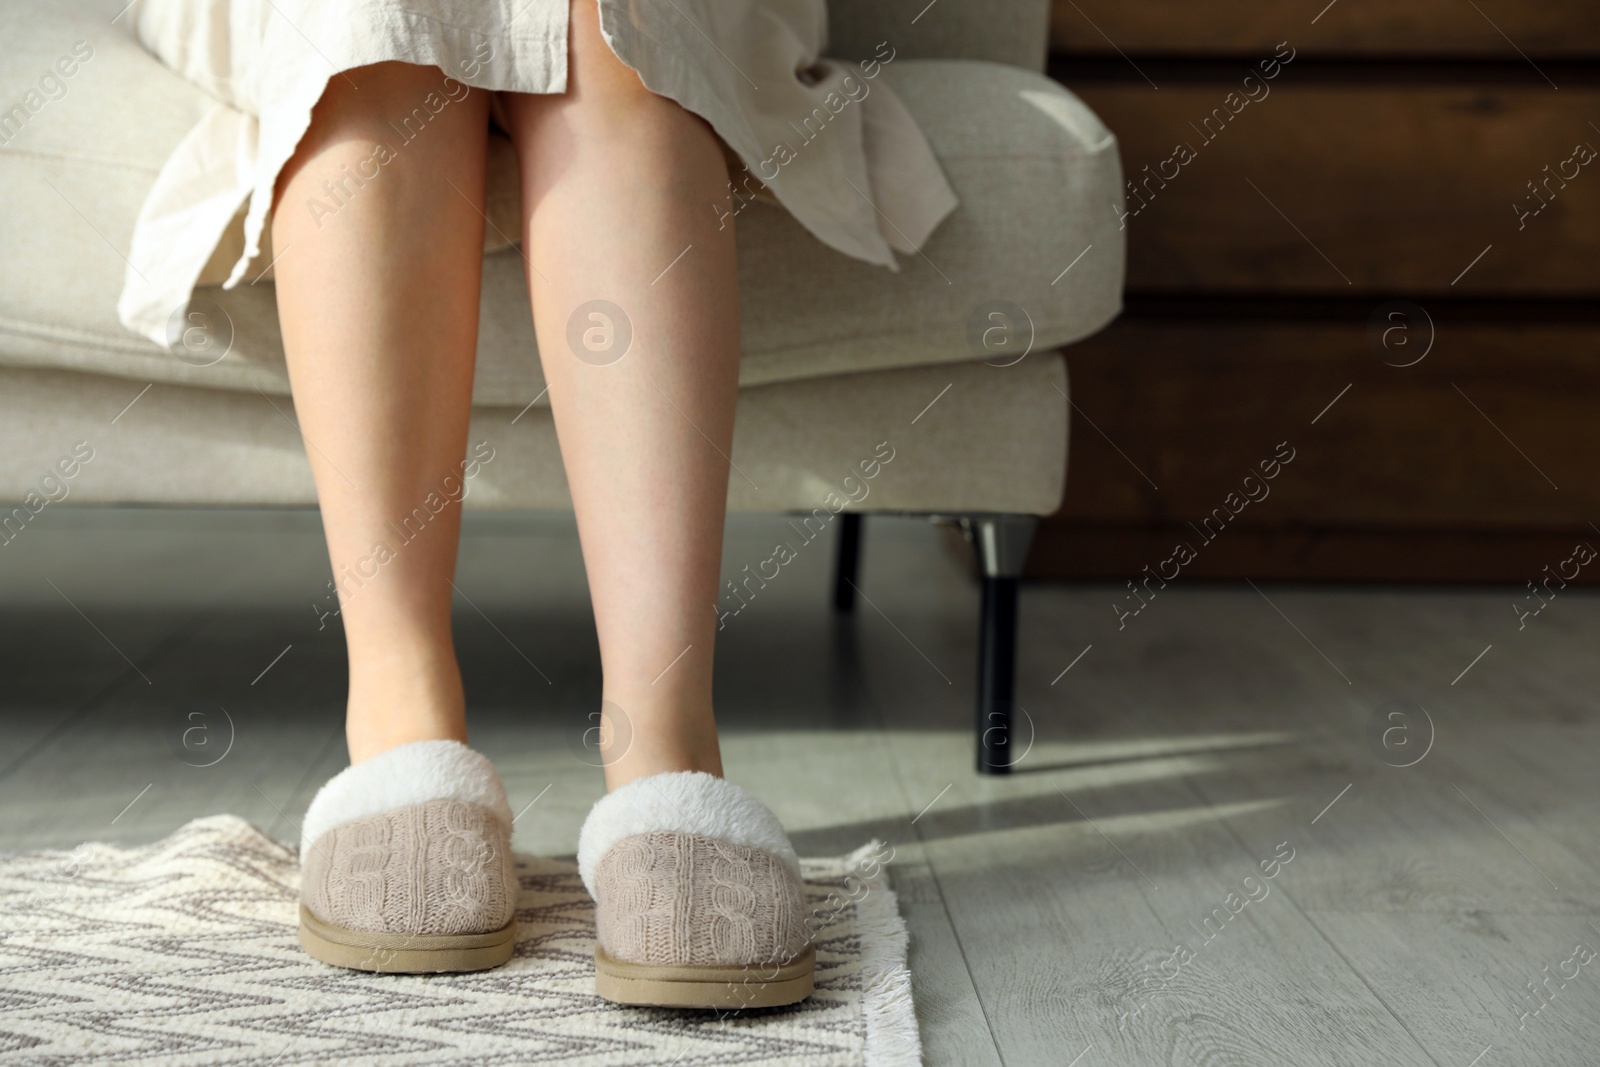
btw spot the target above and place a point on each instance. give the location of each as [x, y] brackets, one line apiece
[1002, 544]
[997, 667]
[847, 563]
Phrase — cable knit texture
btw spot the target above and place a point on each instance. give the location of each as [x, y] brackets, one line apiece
[680, 802]
[440, 867]
[406, 774]
[684, 899]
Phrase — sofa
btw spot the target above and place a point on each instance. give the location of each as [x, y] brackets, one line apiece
[954, 360]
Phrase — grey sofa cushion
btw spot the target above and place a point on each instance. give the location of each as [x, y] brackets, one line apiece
[1037, 174]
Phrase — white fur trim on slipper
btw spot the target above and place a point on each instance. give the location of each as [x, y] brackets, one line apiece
[410, 774]
[684, 802]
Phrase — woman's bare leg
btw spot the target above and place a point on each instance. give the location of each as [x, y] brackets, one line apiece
[378, 276]
[619, 190]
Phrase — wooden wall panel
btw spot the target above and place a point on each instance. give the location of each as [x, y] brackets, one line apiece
[1414, 473]
[1120, 552]
[1403, 150]
[1195, 405]
[1350, 188]
[1453, 28]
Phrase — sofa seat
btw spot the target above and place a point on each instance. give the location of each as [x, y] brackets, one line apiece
[1023, 154]
[960, 439]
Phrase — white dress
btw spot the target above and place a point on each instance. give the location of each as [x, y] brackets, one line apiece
[826, 137]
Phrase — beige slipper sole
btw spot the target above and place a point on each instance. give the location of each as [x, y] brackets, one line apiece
[655, 986]
[365, 950]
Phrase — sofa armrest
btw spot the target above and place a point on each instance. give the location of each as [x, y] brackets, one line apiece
[1004, 31]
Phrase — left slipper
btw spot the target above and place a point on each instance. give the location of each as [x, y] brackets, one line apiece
[406, 864]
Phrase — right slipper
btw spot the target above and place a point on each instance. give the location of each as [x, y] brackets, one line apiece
[406, 864]
[698, 897]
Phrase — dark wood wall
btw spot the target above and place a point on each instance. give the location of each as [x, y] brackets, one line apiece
[1347, 257]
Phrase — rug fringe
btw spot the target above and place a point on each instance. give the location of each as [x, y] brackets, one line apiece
[893, 1039]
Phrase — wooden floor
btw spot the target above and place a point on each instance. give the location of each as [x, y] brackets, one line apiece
[1106, 905]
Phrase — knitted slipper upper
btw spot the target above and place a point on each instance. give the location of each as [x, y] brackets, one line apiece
[409, 774]
[685, 802]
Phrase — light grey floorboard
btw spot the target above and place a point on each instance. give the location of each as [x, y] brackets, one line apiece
[198, 740]
[1461, 981]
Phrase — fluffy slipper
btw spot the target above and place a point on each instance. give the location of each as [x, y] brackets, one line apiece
[406, 864]
[698, 897]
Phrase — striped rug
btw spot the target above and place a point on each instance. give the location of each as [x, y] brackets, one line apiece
[185, 952]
